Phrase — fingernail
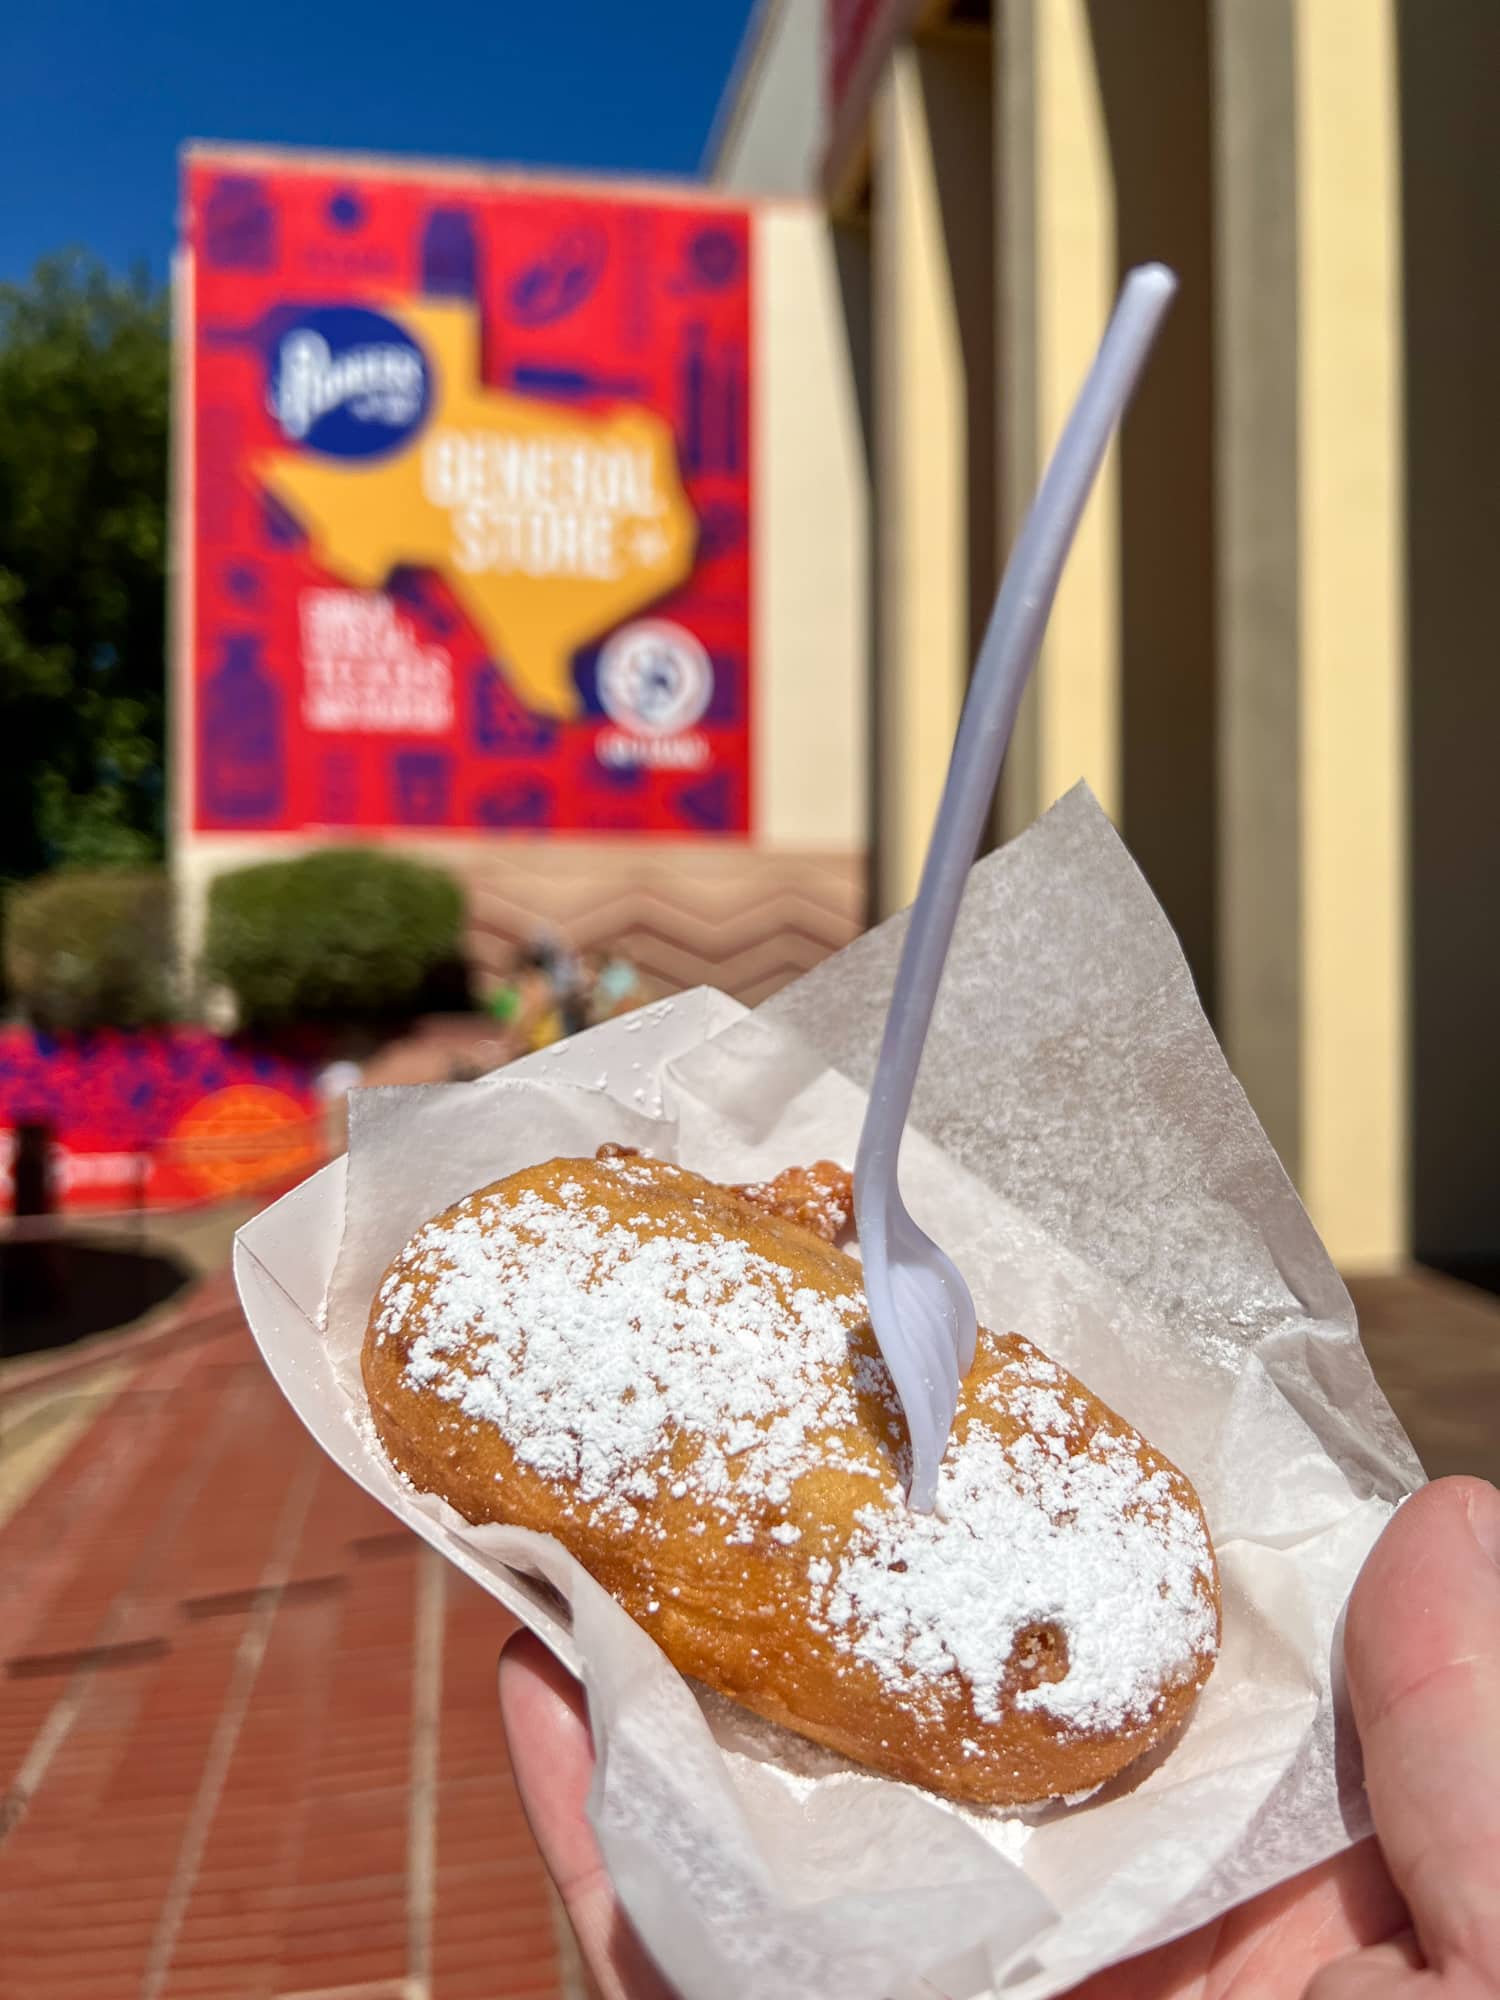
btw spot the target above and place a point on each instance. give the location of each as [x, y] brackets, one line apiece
[1484, 1521]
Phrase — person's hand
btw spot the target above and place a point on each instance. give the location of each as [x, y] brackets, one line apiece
[1417, 1910]
[1416, 1917]
[552, 1759]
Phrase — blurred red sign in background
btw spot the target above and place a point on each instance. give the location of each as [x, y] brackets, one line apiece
[160, 1118]
[468, 516]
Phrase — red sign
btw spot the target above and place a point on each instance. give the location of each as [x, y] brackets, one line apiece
[161, 1119]
[470, 508]
[856, 36]
[847, 25]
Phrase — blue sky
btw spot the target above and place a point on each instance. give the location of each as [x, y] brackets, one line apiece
[96, 96]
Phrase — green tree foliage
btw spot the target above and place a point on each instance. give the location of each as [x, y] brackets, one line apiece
[84, 391]
[346, 932]
[92, 950]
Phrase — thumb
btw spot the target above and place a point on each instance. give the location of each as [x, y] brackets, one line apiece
[1422, 1647]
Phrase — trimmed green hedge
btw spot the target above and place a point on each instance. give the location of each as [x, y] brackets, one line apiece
[92, 950]
[340, 933]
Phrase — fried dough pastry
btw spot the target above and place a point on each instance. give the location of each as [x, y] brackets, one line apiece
[682, 1386]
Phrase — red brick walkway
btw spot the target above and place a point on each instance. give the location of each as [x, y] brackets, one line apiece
[249, 1739]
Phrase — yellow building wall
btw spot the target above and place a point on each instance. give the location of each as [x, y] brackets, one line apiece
[920, 473]
[811, 549]
[1342, 740]
[1353, 641]
[1078, 676]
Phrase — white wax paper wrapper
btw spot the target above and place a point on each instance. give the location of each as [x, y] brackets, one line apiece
[1080, 1147]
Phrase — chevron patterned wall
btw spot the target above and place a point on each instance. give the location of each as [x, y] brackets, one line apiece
[743, 920]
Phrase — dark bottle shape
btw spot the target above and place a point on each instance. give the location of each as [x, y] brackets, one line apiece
[241, 748]
[450, 255]
[733, 413]
[692, 372]
[239, 225]
[423, 786]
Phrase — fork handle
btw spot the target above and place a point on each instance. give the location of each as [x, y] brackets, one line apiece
[1012, 642]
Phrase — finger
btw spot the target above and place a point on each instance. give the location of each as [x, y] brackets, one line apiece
[1381, 1972]
[552, 1758]
[1422, 1646]
[1273, 1944]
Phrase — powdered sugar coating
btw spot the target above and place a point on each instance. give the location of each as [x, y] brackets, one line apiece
[586, 1342]
[633, 1367]
[1033, 1535]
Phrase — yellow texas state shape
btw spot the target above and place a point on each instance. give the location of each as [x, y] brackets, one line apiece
[484, 494]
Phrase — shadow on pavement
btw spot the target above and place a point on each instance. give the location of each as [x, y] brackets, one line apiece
[58, 1291]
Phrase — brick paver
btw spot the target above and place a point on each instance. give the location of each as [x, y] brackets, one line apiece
[249, 1741]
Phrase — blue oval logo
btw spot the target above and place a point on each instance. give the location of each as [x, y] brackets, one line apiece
[348, 382]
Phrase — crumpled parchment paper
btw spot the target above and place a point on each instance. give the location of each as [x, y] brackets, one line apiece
[1080, 1147]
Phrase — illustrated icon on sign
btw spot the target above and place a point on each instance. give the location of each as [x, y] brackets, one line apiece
[502, 725]
[412, 589]
[708, 804]
[524, 801]
[541, 378]
[711, 260]
[424, 782]
[241, 743]
[281, 529]
[346, 382]
[239, 225]
[655, 678]
[721, 527]
[712, 387]
[345, 209]
[450, 255]
[558, 282]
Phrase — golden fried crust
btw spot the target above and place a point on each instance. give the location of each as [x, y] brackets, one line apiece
[806, 1592]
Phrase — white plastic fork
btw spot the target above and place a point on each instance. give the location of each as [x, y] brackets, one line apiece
[920, 1308]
